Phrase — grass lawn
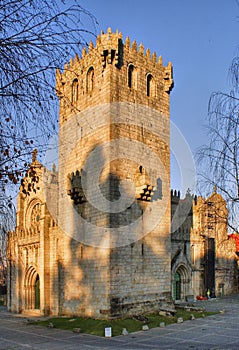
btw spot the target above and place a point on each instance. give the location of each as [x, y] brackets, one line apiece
[97, 327]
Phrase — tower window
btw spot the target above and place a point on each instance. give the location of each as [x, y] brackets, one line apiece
[132, 77]
[142, 249]
[75, 87]
[90, 79]
[149, 84]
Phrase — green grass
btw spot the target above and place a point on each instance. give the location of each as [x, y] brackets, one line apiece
[97, 327]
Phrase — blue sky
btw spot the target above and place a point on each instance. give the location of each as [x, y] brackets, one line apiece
[200, 38]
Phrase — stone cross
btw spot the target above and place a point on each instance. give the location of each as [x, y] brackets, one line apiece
[34, 155]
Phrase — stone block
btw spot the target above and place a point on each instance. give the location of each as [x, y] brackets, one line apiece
[50, 325]
[162, 313]
[167, 312]
[124, 331]
[76, 330]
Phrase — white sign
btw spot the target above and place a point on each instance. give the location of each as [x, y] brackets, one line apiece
[108, 332]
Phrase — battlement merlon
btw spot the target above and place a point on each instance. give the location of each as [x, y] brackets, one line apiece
[105, 44]
[107, 69]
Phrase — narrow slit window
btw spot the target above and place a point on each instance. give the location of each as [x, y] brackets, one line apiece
[75, 90]
[90, 79]
[132, 77]
[149, 84]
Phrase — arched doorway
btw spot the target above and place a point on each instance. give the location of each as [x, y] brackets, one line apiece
[177, 286]
[181, 283]
[32, 289]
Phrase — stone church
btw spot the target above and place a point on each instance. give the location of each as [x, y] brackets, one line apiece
[203, 255]
[93, 237]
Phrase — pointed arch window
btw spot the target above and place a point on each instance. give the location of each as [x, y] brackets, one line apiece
[90, 80]
[75, 91]
[132, 77]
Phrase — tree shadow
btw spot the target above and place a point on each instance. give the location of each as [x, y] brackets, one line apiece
[125, 270]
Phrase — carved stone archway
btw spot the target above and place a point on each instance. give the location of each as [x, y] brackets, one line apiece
[181, 282]
[32, 289]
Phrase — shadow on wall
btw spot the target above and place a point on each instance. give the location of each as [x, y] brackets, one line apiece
[111, 276]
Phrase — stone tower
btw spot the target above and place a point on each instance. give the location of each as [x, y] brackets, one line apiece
[97, 243]
[114, 179]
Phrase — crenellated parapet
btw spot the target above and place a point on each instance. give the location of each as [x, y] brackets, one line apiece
[113, 71]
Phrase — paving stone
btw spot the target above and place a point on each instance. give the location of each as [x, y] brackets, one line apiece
[162, 313]
[218, 332]
[76, 330]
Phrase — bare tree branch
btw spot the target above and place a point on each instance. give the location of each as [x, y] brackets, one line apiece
[218, 160]
[36, 37]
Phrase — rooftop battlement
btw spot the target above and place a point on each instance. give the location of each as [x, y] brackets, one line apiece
[113, 71]
[106, 43]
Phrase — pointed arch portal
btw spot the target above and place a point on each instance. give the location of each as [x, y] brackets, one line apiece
[32, 289]
[181, 283]
[177, 286]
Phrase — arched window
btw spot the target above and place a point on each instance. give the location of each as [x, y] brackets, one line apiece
[75, 87]
[149, 85]
[132, 77]
[90, 79]
[35, 218]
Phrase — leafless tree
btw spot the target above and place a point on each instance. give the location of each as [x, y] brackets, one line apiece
[219, 159]
[7, 223]
[36, 37]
